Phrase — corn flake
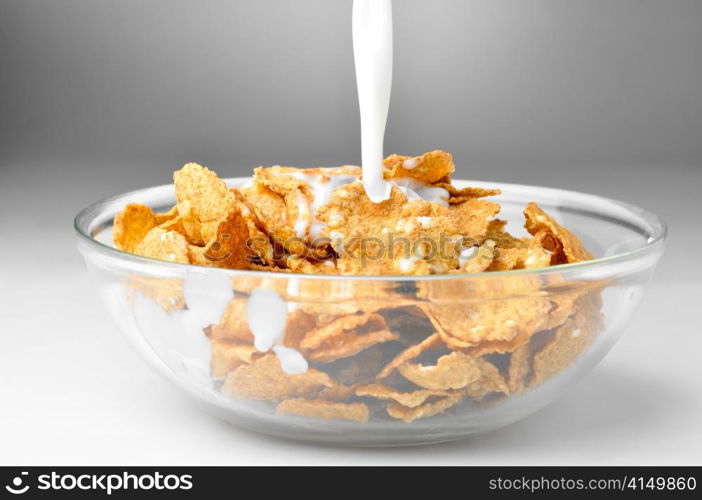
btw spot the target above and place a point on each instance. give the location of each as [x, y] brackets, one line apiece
[341, 327]
[520, 365]
[452, 371]
[349, 345]
[226, 356]
[461, 195]
[426, 410]
[131, 225]
[339, 392]
[203, 200]
[412, 352]
[265, 379]
[324, 409]
[570, 340]
[164, 217]
[410, 399]
[566, 247]
[232, 325]
[505, 324]
[228, 248]
[428, 168]
[164, 245]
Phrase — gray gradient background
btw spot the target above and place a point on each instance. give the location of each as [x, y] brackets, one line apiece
[98, 97]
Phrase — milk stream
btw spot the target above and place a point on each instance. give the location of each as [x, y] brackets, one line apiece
[372, 50]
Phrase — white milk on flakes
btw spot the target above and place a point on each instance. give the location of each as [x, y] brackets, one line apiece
[321, 193]
[372, 51]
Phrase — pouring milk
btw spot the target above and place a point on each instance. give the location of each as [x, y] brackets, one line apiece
[372, 51]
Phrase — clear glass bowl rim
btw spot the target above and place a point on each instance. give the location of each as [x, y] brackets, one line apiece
[659, 230]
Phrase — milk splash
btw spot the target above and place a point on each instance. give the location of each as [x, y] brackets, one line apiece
[372, 50]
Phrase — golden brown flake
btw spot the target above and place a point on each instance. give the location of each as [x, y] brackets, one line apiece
[345, 336]
[564, 244]
[520, 364]
[505, 324]
[232, 325]
[349, 345]
[460, 195]
[131, 225]
[410, 353]
[299, 324]
[265, 379]
[226, 356]
[491, 380]
[339, 392]
[203, 200]
[410, 399]
[341, 327]
[174, 224]
[228, 248]
[324, 409]
[429, 168]
[426, 410]
[164, 245]
[570, 340]
[452, 371]
[162, 218]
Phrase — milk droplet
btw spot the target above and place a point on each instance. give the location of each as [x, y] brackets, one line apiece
[410, 163]
[266, 315]
[303, 216]
[425, 222]
[407, 263]
[466, 255]
[291, 360]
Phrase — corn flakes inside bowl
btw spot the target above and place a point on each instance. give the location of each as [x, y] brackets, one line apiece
[294, 305]
[320, 221]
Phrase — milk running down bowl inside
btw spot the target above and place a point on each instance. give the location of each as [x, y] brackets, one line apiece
[626, 241]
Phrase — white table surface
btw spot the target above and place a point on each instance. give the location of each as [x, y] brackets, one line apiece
[73, 392]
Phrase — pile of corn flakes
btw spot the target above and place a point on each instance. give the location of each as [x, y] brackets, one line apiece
[376, 349]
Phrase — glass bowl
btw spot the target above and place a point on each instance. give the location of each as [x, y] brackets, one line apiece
[190, 323]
